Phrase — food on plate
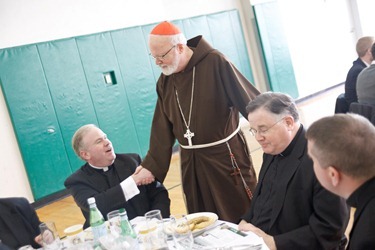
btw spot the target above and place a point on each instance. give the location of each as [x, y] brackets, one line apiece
[181, 228]
[200, 222]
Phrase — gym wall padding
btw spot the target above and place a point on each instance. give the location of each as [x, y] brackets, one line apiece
[53, 88]
[275, 48]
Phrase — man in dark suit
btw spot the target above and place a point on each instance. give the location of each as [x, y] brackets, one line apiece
[363, 48]
[342, 148]
[19, 224]
[111, 178]
[290, 209]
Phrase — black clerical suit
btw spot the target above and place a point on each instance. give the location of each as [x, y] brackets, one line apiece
[290, 204]
[19, 223]
[362, 235]
[351, 81]
[89, 182]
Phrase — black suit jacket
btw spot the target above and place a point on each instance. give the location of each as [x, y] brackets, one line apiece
[19, 223]
[305, 215]
[86, 182]
[362, 235]
[351, 81]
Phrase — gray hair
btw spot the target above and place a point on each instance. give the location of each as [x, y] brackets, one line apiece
[174, 39]
[77, 140]
[276, 103]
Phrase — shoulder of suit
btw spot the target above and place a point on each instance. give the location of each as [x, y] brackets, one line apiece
[129, 157]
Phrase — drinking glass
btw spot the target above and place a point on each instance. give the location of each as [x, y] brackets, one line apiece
[112, 242]
[50, 237]
[74, 234]
[157, 238]
[113, 218]
[182, 236]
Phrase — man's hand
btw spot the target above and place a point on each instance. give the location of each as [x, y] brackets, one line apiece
[38, 239]
[268, 239]
[143, 176]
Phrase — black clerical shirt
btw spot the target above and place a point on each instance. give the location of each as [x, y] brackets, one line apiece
[267, 196]
[111, 175]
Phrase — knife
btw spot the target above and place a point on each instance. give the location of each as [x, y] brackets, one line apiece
[208, 229]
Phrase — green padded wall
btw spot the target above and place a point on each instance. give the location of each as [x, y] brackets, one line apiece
[34, 119]
[68, 89]
[275, 48]
[138, 79]
[52, 88]
[111, 105]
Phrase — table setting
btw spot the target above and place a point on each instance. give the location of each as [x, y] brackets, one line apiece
[192, 231]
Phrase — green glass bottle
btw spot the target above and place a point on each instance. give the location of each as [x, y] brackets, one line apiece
[126, 228]
[97, 221]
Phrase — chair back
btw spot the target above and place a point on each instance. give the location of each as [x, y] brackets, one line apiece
[365, 110]
[342, 105]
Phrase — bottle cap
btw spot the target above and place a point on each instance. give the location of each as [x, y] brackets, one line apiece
[122, 211]
[91, 200]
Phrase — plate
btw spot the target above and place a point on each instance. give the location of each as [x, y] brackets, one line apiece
[212, 219]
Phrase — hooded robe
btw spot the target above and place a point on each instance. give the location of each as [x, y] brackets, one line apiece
[220, 93]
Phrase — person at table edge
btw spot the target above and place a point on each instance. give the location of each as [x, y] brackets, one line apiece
[290, 209]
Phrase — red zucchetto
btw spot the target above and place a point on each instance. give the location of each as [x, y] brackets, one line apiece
[165, 29]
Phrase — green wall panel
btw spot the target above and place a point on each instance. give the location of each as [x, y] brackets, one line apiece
[243, 61]
[111, 104]
[35, 124]
[196, 26]
[275, 48]
[226, 32]
[139, 81]
[69, 91]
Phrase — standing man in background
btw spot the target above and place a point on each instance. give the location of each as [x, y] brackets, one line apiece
[366, 83]
[363, 48]
[342, 148]
[200, 95]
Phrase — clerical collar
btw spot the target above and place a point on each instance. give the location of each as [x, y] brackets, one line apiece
[290, 147]
[355, 198]
[105, 169]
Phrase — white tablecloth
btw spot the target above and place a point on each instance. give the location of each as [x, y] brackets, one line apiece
[219, 235]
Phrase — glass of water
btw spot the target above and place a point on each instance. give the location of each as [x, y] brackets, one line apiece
[182, 235]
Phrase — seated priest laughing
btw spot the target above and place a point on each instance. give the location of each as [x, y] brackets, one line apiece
[111, 178]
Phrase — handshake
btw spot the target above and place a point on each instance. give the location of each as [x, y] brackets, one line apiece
[143, 176]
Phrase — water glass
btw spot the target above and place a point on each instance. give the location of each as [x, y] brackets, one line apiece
[74, 234]
[182, 235]
[156, 237]
[113, 218]
[112, 242]
[50, 237]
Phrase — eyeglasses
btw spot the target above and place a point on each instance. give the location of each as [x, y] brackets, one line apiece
[263, 132]
[163, 56]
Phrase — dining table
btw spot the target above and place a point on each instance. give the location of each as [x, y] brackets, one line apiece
[221, 235]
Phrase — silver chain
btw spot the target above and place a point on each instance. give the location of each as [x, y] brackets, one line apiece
[187, 124]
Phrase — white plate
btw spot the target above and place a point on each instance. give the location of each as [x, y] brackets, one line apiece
[210, 215]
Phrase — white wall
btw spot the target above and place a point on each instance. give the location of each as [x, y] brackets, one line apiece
[31, 21]
[322, 44]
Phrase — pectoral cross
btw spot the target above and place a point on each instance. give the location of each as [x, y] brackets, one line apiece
[188, 135]
[235, 172]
